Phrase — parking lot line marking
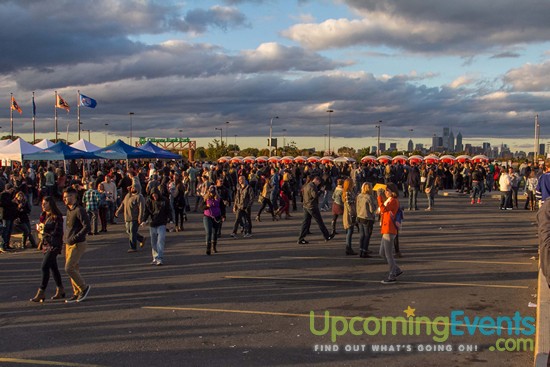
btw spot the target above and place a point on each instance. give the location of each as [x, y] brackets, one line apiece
[45, 363]
[375, 281]
[407, 260]
[317, 316]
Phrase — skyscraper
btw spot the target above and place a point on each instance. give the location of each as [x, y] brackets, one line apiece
[459, 147]
[410, 146]
[451, 145]
[445, 138]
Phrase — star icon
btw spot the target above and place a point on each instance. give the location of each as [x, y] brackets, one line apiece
[410, 311]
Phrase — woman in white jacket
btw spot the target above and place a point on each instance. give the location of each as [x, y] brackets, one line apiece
[505, 184]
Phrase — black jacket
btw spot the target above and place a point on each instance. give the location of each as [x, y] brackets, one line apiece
[158, 210]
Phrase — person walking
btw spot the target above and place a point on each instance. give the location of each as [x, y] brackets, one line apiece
[413, 185]
[350, 214]
[389, 205]
[22, 220]
[505, 186]
[78, 225]
[366, 209]
[211, 219]
[337, 204]
[91, 201]
[310, 204]
[265, 199]
[530, 189]
[50, 232]
[244, 198]
[431, 187]
[133, 207]
[157, 208]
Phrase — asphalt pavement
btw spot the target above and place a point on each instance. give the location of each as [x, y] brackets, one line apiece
[251, 303]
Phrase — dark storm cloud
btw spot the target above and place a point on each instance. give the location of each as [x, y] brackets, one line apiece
[432, 26]
[40, 34]
[178, 58]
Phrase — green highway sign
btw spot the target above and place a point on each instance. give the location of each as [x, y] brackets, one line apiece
[164, 140]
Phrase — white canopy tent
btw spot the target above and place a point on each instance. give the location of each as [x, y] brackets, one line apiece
[85, 145]
[17, 150]
[3, 143]
[44, 144]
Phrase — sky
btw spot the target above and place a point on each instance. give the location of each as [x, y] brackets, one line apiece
[186, 68]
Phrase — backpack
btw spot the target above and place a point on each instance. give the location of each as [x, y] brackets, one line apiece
[398, 218]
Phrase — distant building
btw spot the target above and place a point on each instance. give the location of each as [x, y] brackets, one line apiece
[459, 146]
[393, 147]
[410, 146]
[373, 149]
[419, 147]
[487, 149]
[468, 149]
[451, 142]
[382, 147]
[542, 151]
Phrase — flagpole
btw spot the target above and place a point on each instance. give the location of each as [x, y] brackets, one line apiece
[78, 111]
[11, 114]
[55, 109]
[33, 120]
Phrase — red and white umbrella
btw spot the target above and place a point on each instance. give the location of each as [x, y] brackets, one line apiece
[224, 159]
[237, 159]
[384, 159]
[463, 158]
[313, 159]
[480, 158]
[274, 159]
[327, 159]
[400, 159]
[416, 159]
[262, 159]
[431, 159]
[344, 160]
[249, 159]
[447, 159]
[287, 159]
[300, 159]
[368, 158]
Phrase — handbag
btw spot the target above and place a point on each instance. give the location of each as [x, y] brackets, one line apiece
[427, 190]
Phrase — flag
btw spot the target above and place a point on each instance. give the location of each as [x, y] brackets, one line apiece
[87, 101]
[15, 106]
[61, 103]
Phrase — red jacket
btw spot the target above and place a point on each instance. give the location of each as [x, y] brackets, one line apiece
[387, 213]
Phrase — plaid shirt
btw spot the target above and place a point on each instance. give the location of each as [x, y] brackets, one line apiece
[91, 200]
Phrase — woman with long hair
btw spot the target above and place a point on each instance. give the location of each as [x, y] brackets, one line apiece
[366, 209]
[350, 214]
[212, 218]
[50, 230]
[389, 205]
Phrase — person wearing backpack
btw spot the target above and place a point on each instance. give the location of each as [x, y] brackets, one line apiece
[389, 206]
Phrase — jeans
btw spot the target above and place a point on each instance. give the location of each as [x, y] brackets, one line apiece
[365, 233]
[7, 230]
[505, 199]
[132, 228]
[211, 229]
[111, 212]
[431, 199]
[477, 190]
[49, 263]
[73, 254]
[274, 200]
[386, 252]
[27, 234]
[158, 236]
[267, 202]
[306, 223]
[349, 237]
[243, 217]
[94, 219]
[103, 218]
[326, 200]
[413, 195]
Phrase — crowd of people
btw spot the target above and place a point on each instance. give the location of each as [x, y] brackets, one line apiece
[162, 194]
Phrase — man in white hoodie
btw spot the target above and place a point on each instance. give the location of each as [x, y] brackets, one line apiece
[505, 184]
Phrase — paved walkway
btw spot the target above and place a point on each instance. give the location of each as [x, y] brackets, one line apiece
[250, 304]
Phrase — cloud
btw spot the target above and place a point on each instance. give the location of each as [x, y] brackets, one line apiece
[178, 58]
[529, 78]
[36, 34]
[506, 55]
[436, 27]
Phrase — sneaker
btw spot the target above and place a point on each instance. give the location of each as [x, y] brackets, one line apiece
[159, 263]
[472, 202]
[142, 243]
[82, 296]
[330, 237]
[73, 299]
[233, 235]
[130, 250]
[248, 235]
[303, 242]
[388, 281]
[154, 262]
[399, 273]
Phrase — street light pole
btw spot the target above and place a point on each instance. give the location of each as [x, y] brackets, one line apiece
[271, 132]
[131, 127]
[89, 131]
[378, 140]
[106, 134]
[221, 134]
[329, 113]
[284, 141]
[226, 132]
